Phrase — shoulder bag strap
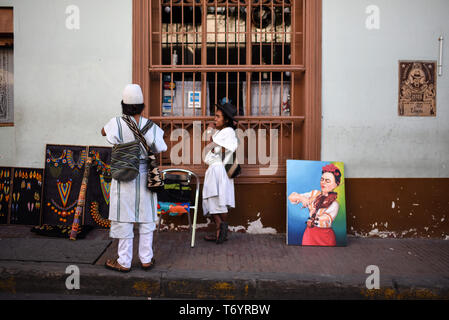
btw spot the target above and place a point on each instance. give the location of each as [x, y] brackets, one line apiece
[137, 134]
[147, 127]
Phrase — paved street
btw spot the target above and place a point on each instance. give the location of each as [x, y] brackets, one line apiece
[245, 267]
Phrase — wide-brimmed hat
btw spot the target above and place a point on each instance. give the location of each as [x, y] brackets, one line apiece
[132, 94]
[228, 109]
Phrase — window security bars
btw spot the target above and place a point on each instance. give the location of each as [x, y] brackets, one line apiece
[247, 52]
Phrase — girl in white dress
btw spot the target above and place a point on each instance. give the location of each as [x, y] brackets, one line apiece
[218, 189]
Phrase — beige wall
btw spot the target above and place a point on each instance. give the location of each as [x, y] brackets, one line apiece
[361, 126]
[67, 83]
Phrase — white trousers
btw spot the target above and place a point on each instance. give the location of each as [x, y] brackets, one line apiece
[124, 232]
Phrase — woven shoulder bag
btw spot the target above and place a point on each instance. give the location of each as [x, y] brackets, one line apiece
[155, 183]
[125, 159]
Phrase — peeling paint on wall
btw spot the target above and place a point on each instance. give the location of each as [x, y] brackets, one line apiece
[256, 227]
[173, 227]
[377, 233]
[401, 208]
[237, 228]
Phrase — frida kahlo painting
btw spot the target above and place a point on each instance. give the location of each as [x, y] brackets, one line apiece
[316, 204]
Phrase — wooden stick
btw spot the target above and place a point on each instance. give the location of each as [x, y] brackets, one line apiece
[81, 200]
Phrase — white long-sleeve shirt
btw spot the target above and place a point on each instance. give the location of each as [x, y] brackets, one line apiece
[131, 201]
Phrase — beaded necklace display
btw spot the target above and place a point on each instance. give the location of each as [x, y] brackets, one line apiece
[101, 166]
[56, 206]
[95, 214]
[105, 171]
[39, 179]
[37, 198]
[81, 160]
[105, 188]
[28, 178]
[4, 192]
[57, 161]
[63, 213]
[15, 205]
[64, 191]
[4, 174]
[56, 164]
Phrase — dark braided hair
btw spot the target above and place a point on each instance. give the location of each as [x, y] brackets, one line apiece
[229, 122]
[132, 109]
[335, 171]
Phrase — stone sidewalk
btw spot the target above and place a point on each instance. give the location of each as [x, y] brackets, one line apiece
[244, 267]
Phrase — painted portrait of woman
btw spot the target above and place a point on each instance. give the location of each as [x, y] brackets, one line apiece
[315, 204]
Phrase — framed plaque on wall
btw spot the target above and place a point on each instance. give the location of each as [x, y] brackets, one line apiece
[417, 88]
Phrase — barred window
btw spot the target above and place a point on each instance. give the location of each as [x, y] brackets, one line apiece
[247, 52]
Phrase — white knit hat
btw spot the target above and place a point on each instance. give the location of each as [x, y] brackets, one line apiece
[132, 94]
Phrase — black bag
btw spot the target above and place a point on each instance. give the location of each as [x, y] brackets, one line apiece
[233, 169]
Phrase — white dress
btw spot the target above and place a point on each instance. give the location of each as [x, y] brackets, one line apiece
[131, 201]
[218, 188]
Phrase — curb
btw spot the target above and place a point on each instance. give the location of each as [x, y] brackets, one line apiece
[50, 278]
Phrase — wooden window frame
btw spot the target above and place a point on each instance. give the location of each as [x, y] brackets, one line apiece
[7, 39]
[310, 141]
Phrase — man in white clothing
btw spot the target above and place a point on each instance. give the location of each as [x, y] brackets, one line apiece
[131, 201]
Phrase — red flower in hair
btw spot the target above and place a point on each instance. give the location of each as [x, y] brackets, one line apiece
[334, 170]
[330, 168]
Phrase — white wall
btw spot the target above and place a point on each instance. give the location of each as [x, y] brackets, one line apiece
[67, 83]
[361, 125]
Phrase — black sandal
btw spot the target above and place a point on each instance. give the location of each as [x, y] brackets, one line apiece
[224, 226]
[222, 234]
